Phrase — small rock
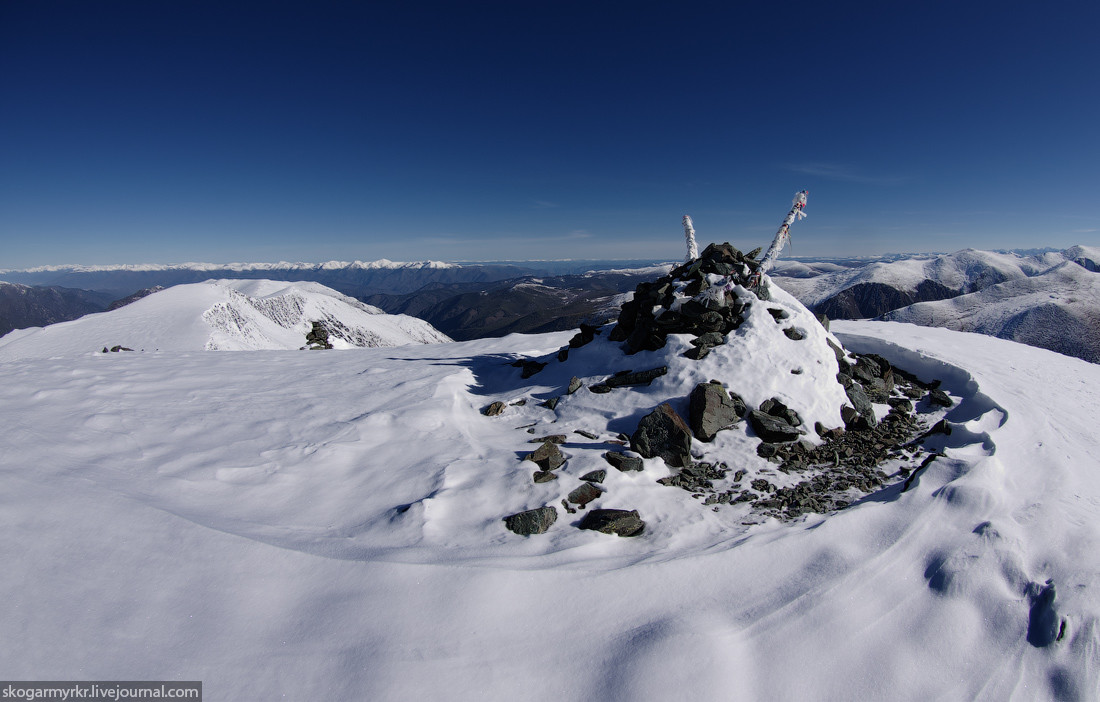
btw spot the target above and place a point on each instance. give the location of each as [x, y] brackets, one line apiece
[772, 429]
[776, 408]
[533, 521]
[663, 433]
[552, 403]
[623, 462]
[596, 476]
[712, 408]
[552, 438]
[935, 397]
[548, 456]
[493, 409]
[860, 401]
[586, 434]
[584, 336]
[901, 404]
[614, 521]
[574, 385]
[794, 334]
[544, 476]
[584, 494]
[630, 378]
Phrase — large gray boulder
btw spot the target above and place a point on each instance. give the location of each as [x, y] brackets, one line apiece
[663, 433]
[584, 494]
[623, 462]
[548, 456]
[772, 429]
[533, 521]
[614, 521]
[862, 403]
[712, 408]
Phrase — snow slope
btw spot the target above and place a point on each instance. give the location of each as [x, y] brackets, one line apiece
[223, 315]
[199, 516]
[1058, 310]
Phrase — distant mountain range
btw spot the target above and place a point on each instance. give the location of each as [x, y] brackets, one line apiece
[528, 305]
[1058, 310]
[357, 278]
[467, 301]
[1049, 299]
[471, 300]
[866, 290]
[29, 306]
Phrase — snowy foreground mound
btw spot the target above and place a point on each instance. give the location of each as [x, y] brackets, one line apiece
[328, 525]
[230, 315]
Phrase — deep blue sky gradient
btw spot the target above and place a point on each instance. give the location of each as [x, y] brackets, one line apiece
[167, 131]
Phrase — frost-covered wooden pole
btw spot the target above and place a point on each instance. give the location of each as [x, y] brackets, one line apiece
[689, 235]
[784, 233]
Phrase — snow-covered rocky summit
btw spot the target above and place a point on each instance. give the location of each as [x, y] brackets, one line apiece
[726, 386]
[224, 315]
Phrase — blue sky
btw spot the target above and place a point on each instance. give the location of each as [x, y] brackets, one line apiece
[307, 131]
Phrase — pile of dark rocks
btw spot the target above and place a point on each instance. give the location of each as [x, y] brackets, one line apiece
[548, 458]
[846, 462]
[317, 338]
[708, 317]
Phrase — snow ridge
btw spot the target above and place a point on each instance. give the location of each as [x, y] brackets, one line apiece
[225, 315]
[968, 271]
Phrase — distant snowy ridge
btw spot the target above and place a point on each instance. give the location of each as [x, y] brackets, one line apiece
[224, 315]
[963, 272]
[1058, 310]
[281, 266]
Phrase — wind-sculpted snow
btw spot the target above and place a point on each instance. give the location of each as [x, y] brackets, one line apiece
[328, 524]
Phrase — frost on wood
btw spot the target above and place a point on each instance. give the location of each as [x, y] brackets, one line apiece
[689, 236]
[784, 234]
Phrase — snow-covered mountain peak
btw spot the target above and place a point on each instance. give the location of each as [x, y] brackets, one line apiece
[224, 315]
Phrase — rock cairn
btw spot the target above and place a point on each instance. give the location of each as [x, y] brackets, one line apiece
[317, 338]
[713, 311]
[706, 299]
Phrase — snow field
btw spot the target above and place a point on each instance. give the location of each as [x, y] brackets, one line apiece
[299, 524]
